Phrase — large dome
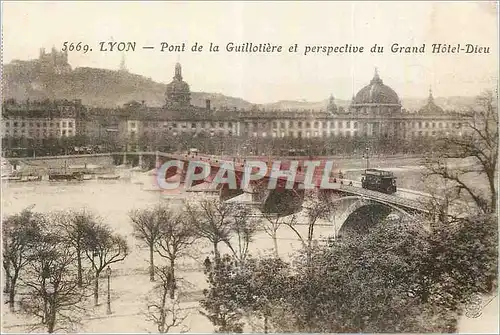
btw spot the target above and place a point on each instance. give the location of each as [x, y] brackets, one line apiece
[376, 93]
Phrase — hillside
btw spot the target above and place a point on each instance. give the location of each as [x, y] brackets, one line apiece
[109, 88]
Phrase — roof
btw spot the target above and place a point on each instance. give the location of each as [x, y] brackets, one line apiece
[376, 93]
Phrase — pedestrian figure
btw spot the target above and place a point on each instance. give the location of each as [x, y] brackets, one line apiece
[335, 180]
[208, 264]
[341, 182]
[350, 183]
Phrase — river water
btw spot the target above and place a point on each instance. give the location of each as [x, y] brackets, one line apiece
[112, 200]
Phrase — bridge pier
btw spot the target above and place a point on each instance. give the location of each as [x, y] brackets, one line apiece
[140, 161]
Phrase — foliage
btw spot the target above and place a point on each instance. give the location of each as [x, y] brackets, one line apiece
[147, 228]
[163, 312]
[20, 232]
[479, 143]
[399, 277]
[53, 290]
[103, 248]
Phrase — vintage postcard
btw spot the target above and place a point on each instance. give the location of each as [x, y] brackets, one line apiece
[249, 167]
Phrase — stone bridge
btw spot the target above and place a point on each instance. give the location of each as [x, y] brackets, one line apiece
[351, 202]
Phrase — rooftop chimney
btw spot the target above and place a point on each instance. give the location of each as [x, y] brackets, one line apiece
[207, 104]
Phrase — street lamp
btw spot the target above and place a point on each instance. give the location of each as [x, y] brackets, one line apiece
[367, 157]
[108, 274]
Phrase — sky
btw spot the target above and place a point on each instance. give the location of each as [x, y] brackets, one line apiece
[262, 78]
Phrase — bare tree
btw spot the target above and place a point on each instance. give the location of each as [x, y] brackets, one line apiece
[54, 293]
[316, 207]
[163, 311]
[177, 235]
[147, 228]
[244, 228]
[271, 223]
[212, 221]
[479, 142]
[20, 233]
[103, 248]
[74, 225]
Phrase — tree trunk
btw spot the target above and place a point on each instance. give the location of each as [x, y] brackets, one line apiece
[51, 322]
[151, 263]
[216, 252]
[79, 269]
[275, 242]
[266, 330]
[12, 291]
[8, 279]
[163, 314]
[173, 284]
[96, 289]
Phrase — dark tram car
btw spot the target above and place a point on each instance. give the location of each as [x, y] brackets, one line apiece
[379, 180]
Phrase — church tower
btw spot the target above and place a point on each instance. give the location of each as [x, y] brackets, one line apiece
[178, 93]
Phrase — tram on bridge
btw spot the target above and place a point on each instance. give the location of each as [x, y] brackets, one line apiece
[379, 180]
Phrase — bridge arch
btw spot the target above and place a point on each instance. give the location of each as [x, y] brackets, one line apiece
[350, 210]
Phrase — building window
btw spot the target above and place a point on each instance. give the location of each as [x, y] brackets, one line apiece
[308, 124]
[38, 124]
[23, 124]
[64, 132]
[433, 124]
[341, 124]
[275, 124]
[70, 124]
[6, 124]
[282, 125]
[427, 125]
[221, 124]
[348, 124]
[332, 124]
[299, 124]
[440, 125]
[324, 124]
[299, 134]
[15, 124]
[316, 124]
[230, 125]
[355, 125]
[290, 124]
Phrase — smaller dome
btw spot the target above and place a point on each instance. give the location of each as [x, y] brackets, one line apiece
[431, 107]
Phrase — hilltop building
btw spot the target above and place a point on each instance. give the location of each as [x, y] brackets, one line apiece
[54, 62]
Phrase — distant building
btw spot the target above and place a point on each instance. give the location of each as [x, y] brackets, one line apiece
[375, 110]
[53, 62]
[43, 119]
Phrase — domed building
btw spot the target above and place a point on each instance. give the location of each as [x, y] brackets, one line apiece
[431, 108]
[178, 93]
[376, 105]
[376, 98]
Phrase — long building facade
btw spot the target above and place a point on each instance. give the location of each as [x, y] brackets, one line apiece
[375, 111]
